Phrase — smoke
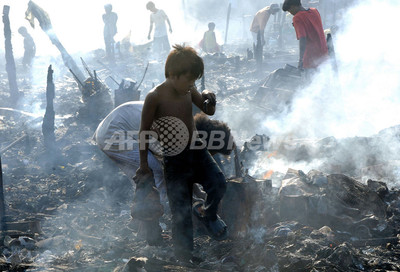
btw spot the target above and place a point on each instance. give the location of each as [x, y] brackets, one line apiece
[363, 99]
[360, 101]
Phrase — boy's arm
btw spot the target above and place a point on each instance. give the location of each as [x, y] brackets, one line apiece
[151, 27]
[148, 112]
[200, 100]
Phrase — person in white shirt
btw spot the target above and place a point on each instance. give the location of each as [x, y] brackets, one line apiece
[160, 38]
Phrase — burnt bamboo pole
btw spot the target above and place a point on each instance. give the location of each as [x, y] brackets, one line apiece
[48, 120]
[227, 23]
[10, 63]
[2, 205]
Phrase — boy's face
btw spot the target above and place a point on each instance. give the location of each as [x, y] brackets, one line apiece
[183, 84]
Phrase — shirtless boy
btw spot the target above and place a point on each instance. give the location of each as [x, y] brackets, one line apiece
[173, 99]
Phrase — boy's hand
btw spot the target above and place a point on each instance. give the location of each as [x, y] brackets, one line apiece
[206, 94]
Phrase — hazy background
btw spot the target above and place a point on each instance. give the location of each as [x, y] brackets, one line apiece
[79, 25]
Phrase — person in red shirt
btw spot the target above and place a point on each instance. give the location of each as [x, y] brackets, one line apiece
[309, 32]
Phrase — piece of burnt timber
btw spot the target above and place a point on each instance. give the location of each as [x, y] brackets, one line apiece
[375, 241]
[10, 63]
[97, 102]
[48, 121]
[34, 11]
[126, 92]
[23, 137]
[2, 205]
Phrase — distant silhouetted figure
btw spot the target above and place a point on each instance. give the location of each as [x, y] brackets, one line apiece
[110, 19]
[29, 47]
[158, 18]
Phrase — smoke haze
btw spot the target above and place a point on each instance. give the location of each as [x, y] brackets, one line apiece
[364, 98]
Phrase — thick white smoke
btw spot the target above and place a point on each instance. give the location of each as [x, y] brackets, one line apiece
[364, 98]
[361, 101]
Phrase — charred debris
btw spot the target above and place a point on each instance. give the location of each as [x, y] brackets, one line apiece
[66, 207]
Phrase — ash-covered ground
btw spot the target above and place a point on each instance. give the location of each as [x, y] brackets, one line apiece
[342, 218]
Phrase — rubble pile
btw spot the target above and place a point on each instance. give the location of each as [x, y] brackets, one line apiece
[338, 217]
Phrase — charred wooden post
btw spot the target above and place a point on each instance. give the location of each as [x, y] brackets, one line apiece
[2, 205]
[34, 11]
[227, 22]
[10, 63]
[48, 120]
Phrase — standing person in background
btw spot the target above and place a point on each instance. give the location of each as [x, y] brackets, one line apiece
[310, 33]
[158, 18]
[29, 47]
[260, 22]
[110, 19]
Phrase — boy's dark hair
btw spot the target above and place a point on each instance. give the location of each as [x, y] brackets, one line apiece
[288, 3]
[182, 60]
[150, 4]
[211, 25]
[203, 123]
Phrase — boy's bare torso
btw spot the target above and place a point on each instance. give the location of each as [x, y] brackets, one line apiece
[171, 103]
